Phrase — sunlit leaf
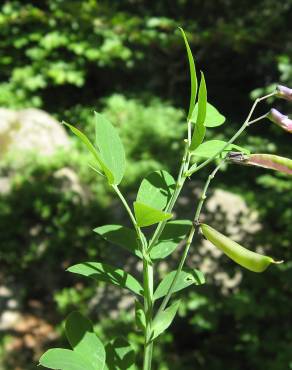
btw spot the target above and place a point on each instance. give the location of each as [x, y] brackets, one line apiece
[156, 189]
[110, 148]
[194, 83]
[199, 130]
[103, 272]
[211, 148]
[64, 359]
[146, 215]
[186, 278]
[120, 235]
[92, 149]
[83, 340]
[213, 116]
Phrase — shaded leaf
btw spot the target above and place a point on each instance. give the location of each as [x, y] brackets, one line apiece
[164, 319]
[146, 215]
[120, 355]
[213, 117]
[186, 278]
[194, 83]
[120, 235]
[83, 340]
[110, 147]
[156, 189]
[102, 272]
[173, 233]
[64, 359]
[140, 318]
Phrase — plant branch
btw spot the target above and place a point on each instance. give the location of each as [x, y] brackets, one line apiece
[245, 124]
[190, 238]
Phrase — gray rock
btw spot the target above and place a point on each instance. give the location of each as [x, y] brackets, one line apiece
[30, 130]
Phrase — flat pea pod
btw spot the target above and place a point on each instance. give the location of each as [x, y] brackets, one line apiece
[250, 260]
[271, 161]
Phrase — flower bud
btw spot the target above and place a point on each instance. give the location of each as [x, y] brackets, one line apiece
[284, 92]
[280, 119]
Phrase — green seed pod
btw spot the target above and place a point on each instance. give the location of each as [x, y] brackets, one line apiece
[250, 260]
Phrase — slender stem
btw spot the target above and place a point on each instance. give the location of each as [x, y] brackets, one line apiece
[128, 209]
[147, 283]
[245, 124]
[179, 185]
[190, 238]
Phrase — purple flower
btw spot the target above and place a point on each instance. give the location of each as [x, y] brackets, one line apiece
[284, 92]
[280, 119]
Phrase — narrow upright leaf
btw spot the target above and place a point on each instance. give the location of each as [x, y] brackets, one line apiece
[199, 131]
[64, 359]
[186, 278]
[110, 147]
[92, 149]
[194, 83]
[164, 319]
[83, 340]
[120, 355]
[213, 117]
[146, 215]
[173, 233]
[120, 235]
[109, 274]
[156, 189]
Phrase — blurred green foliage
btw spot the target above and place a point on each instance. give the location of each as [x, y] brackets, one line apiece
[71, 57]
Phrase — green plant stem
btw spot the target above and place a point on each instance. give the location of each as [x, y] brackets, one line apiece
[147, 284]
[190, 237]
[246, 123]
[178, 187]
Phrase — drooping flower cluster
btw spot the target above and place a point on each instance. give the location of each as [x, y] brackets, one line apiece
[270, 161]
[277, 117]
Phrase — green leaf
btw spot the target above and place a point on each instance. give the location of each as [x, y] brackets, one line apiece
[173, 233]
[120, 355]
[199, 130]
[210, 148]
[64, 359]
[120, 235]
[109, 274]
[110, 147]
[140, 318]
[163, 320]
[146, 216]
[213, 117]
[186, 278]
[194, 83]
[156, 189]
[83, 340]
[92, 149]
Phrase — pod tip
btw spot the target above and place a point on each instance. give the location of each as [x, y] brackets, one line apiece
[278, 262]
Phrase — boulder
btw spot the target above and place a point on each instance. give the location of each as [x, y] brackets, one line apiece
[30, 130]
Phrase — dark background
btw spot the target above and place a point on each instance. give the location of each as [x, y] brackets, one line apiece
[127, 59]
